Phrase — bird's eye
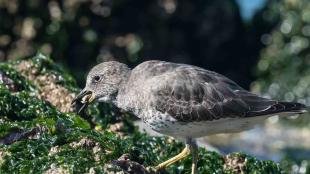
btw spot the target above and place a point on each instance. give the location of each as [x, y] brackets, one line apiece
[97, 78]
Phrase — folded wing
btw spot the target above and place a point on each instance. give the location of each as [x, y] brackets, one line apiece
[193, 94]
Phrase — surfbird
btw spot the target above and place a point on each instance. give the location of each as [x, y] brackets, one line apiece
[181, 101]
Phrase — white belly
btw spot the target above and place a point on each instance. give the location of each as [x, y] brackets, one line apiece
[166, 124]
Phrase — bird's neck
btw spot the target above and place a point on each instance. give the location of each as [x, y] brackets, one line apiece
[124, 83]
[121, 100]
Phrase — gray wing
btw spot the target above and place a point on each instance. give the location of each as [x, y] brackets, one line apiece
[190, 93]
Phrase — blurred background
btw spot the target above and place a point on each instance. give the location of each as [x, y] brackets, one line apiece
[262, 45]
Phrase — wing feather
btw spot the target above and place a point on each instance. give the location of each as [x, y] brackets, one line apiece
[189, 93]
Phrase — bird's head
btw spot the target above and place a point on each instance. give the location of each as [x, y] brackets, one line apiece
[103, 82]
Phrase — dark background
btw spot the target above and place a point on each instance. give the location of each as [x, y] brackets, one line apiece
[79, 34]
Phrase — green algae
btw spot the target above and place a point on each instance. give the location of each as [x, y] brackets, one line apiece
[20, 82]
[23, 106]
[45, 65]
[54, 139]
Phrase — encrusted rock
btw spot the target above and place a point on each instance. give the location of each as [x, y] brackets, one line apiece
[34, 133]
[54, 169]
[54, 150]
[84, 142]
[89, 144]
[130, 167]
[112, 169]
[117, 128]
[49, 90]
[235, 163]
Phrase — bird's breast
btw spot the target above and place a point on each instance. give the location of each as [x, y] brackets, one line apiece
[165, 124]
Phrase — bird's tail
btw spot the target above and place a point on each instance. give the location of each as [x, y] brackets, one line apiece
[292, 107]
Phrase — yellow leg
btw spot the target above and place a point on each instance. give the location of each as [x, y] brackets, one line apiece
[185, 152]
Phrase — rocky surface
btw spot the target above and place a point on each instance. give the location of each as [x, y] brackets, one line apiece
[39, 133]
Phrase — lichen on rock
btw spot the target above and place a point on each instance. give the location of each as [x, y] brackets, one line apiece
[39, 133]
[56, 170]
[47, 83]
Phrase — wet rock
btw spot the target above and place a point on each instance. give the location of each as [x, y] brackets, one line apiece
[18, 135]
[130, 167]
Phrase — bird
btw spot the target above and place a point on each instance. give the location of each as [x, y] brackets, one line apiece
[181, 100]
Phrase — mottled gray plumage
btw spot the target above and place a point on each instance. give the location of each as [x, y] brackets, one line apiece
[190, 93]
[163, 92]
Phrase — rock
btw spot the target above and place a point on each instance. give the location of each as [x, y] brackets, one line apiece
[235, 163]
[130, 167]
[56, 170]
[18, 135]
[48, 86]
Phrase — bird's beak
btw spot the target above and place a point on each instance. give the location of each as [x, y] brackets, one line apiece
[84, 97]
